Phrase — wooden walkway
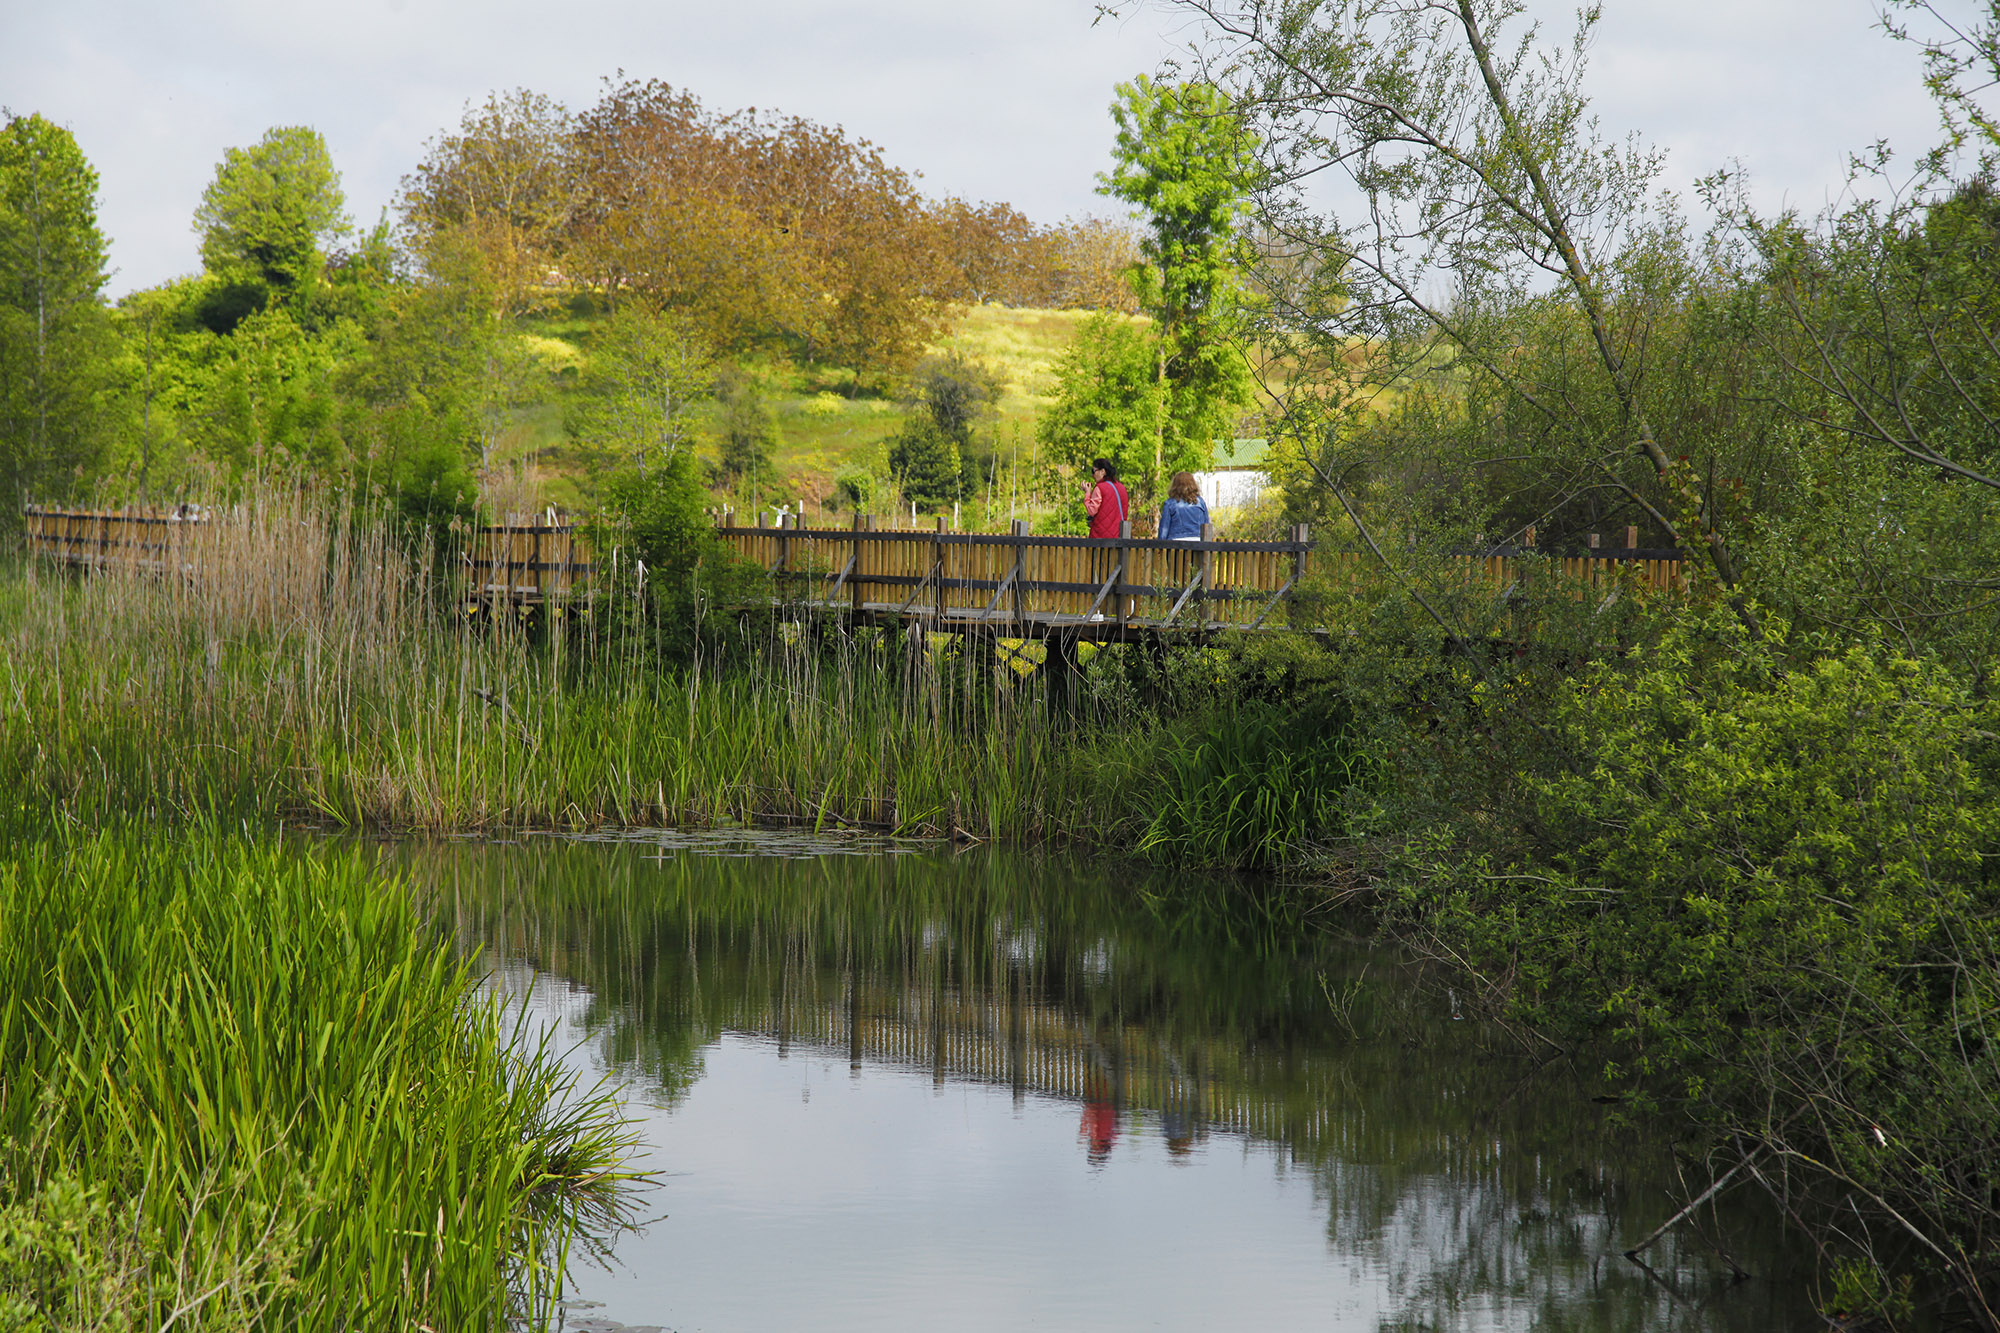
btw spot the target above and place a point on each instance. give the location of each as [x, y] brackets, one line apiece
[153, 541]
[1013, 585]
[1018, 585]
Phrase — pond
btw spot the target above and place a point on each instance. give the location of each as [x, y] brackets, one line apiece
[887, 1087]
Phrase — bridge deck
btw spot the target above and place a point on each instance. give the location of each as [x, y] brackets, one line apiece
[1010, 585]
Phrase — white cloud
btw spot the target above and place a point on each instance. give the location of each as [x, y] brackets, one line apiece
[993, 101]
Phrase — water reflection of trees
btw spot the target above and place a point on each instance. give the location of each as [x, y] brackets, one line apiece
[1486, 1191]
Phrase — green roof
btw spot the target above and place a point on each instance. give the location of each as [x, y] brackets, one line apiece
[1239, 453]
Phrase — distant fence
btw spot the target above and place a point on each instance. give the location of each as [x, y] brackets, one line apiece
[528, 562]
[153, 541]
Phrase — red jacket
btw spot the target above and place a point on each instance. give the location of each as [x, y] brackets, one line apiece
[1113, 507]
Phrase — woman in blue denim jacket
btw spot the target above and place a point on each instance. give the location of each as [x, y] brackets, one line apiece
[1184, 513]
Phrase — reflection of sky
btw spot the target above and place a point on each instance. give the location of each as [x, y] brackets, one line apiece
[800, 1195]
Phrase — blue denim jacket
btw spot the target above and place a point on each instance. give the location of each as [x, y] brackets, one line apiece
[1179, 518]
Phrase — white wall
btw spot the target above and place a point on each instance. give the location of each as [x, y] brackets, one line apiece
[1231, 488]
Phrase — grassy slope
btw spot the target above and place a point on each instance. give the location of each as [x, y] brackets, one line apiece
[820, 429]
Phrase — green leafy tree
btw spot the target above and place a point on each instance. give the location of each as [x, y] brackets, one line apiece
[413, 400]
[693, 586]
[267, 221]
[647, 369]
[56, 338]
[745, 432]
[1187, 164]
[925, 461]
[1107, 400]
[946, 397]
[1470, 145]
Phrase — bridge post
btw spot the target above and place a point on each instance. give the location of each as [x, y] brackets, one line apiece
[1121, 612]
[1020, 607]
[1301, 562]
[937, 566]
[1207, 579]
[854, 579]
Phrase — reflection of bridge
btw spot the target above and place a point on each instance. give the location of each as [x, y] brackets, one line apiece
[1038, 1048]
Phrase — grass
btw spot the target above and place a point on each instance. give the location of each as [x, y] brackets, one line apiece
[311, 668]
[821, 428]
[246, 1087]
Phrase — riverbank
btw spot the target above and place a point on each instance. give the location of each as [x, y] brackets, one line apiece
[315, 670]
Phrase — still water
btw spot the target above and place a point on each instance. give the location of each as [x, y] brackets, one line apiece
[889, 1088]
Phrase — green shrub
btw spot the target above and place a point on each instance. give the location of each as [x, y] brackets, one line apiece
[854, 488]
[1769, 892]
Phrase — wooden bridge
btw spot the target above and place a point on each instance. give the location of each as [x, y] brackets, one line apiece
[1019, 585]
[1014, 585]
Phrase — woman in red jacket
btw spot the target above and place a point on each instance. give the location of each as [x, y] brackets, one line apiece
[1106, 502]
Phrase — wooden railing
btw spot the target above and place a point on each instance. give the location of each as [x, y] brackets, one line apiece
[1020, 583]
[1014, 583]
[527, 562]
[152, 541]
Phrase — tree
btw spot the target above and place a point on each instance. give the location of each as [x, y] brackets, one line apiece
[1483, 185]
[955, 392]
[1187, 164]
[745, 432]
[415, 399]
[932, 456]
[647, 367]
[506, 185]
[1091, 265]
[269, 217]
[1107, 401]
[993, 250]
[925, 461]
[759, 225]
[56, 340]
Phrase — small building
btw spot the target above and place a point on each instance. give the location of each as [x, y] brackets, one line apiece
[1236, 476]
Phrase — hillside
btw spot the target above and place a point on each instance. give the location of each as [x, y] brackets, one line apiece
[821, 427]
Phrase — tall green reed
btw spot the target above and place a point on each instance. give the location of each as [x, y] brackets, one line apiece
[245, 1086]
[309, 668]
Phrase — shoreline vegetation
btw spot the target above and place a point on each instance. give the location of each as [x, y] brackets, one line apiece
[316, 669]
[1792, 954]
[248, 1087]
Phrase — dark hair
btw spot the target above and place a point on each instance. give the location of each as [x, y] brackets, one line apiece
[1184, 488]
[1106, 466]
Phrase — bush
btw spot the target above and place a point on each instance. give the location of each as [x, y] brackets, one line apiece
[854, 488]
[925, 462]
[1767, 890]
[685, 578]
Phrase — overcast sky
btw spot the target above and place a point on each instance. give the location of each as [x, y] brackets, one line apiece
[989, 99]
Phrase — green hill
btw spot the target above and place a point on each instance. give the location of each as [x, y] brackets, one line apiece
[823, 426]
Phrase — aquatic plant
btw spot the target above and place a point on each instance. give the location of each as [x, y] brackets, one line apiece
[245, 1086]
